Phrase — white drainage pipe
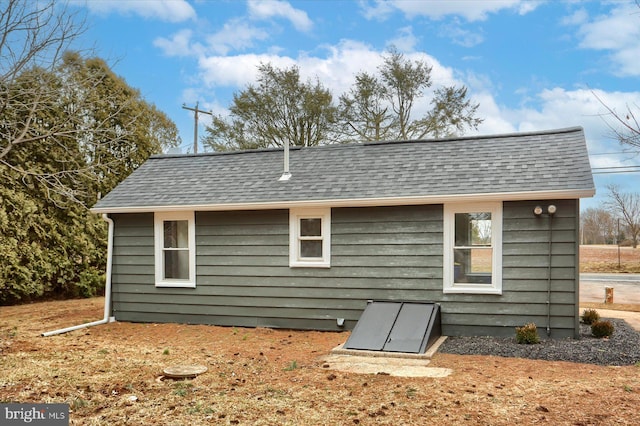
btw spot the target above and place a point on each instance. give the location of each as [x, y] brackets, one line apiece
[107, 289]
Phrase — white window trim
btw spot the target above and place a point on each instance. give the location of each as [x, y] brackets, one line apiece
[495, 287]
[158, 234]
[295, 261]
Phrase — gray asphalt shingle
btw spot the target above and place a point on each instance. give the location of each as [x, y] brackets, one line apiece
[555, 160]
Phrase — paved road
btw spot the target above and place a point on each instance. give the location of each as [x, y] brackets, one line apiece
[626, 287]
[614, 278]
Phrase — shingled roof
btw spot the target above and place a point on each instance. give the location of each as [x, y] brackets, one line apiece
[548, 164]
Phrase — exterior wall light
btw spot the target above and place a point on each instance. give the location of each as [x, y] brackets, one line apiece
[539, 211]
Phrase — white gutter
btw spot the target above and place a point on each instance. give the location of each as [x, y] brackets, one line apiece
[107, 289]
[359, 202]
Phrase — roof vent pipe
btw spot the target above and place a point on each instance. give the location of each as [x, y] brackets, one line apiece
[285, 174]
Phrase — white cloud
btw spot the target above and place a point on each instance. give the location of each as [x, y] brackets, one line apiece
[235, 35]
[559, 108]
[376, 9]
[164, 10]
[459, 35]
[237, 71]
[617, 32]
[470, 10]
[578, 17]
[179, 44]
[405, 41]
[266, 9]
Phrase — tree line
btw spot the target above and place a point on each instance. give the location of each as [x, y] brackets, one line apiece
[617, 221]
[281, 108]
[70, 130]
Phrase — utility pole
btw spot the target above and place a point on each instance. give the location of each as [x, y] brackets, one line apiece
[618, 242]
[195, 127]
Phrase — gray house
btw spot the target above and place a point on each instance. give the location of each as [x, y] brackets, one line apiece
[485, 226]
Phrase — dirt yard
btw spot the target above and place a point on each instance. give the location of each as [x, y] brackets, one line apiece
[605, 259]
[112, 374]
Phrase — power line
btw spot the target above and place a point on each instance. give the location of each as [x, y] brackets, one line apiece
[616, 172]
[616, 167]
[613, 170]
[615, 153]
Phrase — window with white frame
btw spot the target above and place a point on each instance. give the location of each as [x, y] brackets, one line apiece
[310, 238]
[175, 256]
[473, 248]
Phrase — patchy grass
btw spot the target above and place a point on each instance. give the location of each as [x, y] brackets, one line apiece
[112, 374]
[604, 259]
[610, 306]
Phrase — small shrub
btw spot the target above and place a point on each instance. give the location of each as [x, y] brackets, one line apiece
[528, 334]
[589, 316]
[78, 403]
[292, 366]
[411, 392]
[602, 329]
[182, 388]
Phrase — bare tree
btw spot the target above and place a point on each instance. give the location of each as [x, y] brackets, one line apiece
[280, 108]
[34, 35]
[382, 107]
[49, 102]
[626, 206]
[598, 226]
[624, 126]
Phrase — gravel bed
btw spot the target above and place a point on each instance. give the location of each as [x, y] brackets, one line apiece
[622, 348]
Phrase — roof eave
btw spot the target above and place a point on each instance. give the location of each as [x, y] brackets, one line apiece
[362, 202]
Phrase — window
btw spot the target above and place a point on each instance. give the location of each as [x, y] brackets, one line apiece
[175, 257]
[473, 248]
[310, 238]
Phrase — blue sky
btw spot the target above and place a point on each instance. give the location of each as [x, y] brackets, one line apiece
[531, 65]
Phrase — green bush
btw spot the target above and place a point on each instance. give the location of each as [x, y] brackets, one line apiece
[47, 252]
[602, 329]
[589, 316]
[528, 334]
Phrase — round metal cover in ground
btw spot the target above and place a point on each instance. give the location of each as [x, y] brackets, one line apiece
[184, 371]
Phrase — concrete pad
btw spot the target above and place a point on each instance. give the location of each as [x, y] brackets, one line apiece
[339, 350]
[399, 367]
[392, 363]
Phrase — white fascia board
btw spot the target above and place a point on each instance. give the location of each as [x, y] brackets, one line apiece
[361, 202]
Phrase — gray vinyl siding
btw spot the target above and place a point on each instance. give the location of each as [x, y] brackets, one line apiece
[526, 260]
[381, 253]
[525, 272]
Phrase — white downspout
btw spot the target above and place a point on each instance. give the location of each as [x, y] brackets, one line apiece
[107, 289]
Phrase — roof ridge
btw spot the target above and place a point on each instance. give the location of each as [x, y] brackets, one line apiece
[507, 135]
[377, 143]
